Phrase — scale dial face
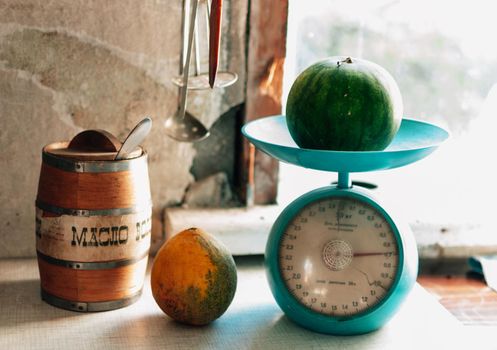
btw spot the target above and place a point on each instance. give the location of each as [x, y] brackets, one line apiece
[339, 256]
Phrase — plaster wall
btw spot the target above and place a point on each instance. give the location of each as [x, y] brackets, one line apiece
[71, 65]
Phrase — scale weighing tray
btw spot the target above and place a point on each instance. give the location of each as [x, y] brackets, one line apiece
[414, 141]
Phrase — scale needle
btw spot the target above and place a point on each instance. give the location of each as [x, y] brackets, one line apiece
[371, 254]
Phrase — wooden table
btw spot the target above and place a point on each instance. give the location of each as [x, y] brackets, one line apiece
[253, 321]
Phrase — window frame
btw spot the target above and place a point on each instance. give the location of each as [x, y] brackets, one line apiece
[267, 34]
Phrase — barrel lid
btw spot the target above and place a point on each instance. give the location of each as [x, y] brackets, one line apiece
[90, 145]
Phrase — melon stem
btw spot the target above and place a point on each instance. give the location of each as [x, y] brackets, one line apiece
[347, 60]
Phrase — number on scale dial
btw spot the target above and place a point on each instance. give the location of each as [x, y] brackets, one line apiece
[339, 256]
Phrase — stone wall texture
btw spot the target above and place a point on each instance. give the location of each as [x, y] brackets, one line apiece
[71, 65]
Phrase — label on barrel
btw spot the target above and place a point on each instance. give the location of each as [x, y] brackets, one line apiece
[93, 238]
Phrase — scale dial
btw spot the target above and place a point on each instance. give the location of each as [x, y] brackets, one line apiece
[337, 262]
[339, 256]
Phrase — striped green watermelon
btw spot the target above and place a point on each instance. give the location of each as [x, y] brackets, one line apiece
[344, 104]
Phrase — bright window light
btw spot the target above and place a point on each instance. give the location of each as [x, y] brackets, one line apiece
[444, 59]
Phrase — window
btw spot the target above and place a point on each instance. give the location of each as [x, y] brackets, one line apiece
[443, 56]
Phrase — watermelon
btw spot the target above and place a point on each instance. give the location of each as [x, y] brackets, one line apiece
[344, 104]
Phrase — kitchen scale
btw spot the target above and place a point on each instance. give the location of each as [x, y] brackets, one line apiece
[337, 260]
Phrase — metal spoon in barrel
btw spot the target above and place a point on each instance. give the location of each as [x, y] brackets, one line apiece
[183, 126]
[135, 137]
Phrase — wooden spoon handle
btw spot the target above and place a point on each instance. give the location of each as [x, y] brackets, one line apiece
[214, 39]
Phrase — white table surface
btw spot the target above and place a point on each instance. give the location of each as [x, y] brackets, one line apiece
[253, 321]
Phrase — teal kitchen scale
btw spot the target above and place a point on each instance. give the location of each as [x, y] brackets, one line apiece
[337, 260]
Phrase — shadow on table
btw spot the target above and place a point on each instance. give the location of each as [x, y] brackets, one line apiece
[21, 303]
[261, 327]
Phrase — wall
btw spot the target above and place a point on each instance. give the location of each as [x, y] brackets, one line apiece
[70, 65]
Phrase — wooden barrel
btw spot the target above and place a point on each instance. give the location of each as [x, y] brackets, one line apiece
[93, 224]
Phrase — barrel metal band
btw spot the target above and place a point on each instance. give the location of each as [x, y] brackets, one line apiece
[101, 265]
[89, 306]
[93, 212]
[94, 166]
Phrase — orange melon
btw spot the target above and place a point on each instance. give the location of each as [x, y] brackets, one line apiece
[193, 277]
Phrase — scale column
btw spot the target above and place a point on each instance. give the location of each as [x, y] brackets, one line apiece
[344, 180]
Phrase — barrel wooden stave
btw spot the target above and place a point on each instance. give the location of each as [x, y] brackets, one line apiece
[92, 285]
[64, 189]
